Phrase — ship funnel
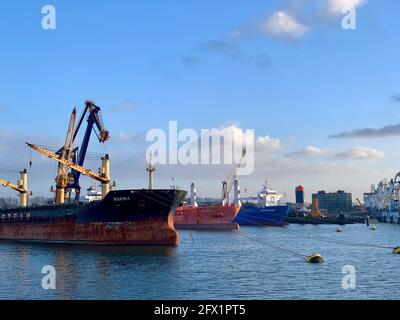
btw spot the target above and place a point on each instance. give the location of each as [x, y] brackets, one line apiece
[193, 196]
[236, 200]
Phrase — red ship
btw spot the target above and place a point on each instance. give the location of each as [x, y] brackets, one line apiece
[206, 217]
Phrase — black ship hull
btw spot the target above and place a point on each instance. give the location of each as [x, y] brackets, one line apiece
[125, 217]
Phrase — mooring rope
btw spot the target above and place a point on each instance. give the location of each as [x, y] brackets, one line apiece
[272, 245]
[355, 244]
[338, 241]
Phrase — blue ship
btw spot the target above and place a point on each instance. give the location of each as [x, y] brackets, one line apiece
[265, 216]
[266, 211]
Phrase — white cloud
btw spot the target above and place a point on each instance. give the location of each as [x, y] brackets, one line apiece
[307, 151]
[334, 7]
[267, 144]
[283, 25]
[360, 153]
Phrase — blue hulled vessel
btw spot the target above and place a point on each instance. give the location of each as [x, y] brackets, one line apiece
[264, 210]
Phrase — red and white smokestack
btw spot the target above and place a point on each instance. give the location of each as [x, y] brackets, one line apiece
[236, 201]
[193, 196]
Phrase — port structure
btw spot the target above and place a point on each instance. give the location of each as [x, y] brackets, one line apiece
[103, 176]
[21, 187]
[315, 212]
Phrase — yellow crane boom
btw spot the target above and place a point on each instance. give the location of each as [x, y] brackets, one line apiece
[10, 185]
[22, 187]
[52, 155]
[62, 172]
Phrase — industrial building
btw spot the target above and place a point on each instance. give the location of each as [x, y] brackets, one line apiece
[334, 203]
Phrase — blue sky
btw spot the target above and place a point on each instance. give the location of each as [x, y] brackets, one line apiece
[284, 68]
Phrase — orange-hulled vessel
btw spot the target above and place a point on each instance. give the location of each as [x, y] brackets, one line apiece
[205, 217]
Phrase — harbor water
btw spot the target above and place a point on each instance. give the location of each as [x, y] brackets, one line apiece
[245, 264]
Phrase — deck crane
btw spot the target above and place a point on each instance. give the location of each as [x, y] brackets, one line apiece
[21, 188]
[94, 121]
[362, 206]
[103, 176]
[364, 212]
[63, 175]
[227, 186]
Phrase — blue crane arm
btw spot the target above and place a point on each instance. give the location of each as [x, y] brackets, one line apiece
[102, 134]
[81, 121]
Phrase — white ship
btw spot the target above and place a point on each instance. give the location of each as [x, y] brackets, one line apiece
[93, 194]
[383, 201]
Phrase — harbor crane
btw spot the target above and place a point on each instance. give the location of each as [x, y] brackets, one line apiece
[103, 176]
[21, 188]
[92, 113]
[63, 176]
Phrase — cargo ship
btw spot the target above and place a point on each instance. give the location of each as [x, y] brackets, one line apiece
[120, 217]
[264, 210]
[205, 217]
[382, 202]
[123, 217]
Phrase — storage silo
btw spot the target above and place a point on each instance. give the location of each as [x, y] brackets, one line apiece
[300, 195]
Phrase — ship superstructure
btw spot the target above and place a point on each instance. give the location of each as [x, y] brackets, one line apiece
[208, 216]
[267, 209]
[382, 201]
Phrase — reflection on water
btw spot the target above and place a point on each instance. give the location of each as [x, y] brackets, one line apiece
[210, 265]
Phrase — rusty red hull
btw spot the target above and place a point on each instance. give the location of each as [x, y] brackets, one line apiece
[206, 217]
[120, 233]
[123, 218]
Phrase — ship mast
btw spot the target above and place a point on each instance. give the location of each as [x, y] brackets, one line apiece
[150, 169]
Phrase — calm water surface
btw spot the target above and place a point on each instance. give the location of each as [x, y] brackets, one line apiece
[211, 265]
